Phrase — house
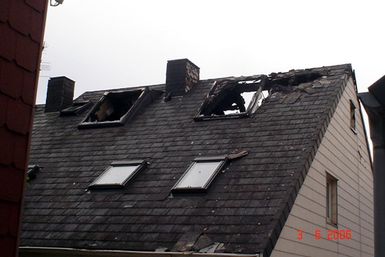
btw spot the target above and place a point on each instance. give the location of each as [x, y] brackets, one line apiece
[265, 165]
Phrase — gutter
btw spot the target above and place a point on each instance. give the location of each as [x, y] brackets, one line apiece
[31, 251]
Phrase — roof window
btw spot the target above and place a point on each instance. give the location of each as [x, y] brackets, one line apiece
[230, 98]
[115, 108]
[118, 174]
[200, 174]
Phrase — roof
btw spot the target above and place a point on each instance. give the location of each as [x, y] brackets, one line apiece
[244, 208]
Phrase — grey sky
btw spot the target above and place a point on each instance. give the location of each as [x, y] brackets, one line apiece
[108, 44]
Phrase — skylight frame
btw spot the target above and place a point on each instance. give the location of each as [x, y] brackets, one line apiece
[124, 118]
[221, 160]
[140, 165]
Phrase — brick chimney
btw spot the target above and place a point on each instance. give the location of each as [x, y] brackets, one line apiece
[60, 94]
[181, 76]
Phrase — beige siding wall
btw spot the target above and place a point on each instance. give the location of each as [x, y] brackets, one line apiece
[344, 155]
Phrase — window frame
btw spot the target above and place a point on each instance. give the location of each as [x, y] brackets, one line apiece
[353, 116]
[331, 200]
[123, 119]
[222, 162]
[141, 164]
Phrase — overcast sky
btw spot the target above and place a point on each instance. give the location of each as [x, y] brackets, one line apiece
[105, 44]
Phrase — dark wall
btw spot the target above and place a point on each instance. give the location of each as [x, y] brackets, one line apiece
[21, 38]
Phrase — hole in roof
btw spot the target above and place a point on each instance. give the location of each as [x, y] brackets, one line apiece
[233, 98]
[115, 108]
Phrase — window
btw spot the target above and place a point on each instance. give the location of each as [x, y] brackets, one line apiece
[76, 108]
[115, 108]
[353, 121]
[231, 98]
[118, 174]
[200, 174]
[331, 199]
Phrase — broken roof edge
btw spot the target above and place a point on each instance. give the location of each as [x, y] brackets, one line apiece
[31, 251]
[283, 213]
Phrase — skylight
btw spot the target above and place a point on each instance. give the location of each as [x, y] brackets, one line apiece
[118, 174]
[200, 174]
[115, 108]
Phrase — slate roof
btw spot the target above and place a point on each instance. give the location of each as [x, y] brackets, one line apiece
[245, 207]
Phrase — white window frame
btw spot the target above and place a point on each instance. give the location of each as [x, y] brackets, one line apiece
[331, 200]
[215, 159]
[140, 164]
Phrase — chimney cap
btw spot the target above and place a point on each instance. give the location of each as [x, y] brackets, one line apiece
[61, 78]
[183, 60]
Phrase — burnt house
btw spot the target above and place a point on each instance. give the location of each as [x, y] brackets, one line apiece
[264, 165]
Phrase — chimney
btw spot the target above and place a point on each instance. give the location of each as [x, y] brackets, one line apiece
[60, 94]
[181, 76]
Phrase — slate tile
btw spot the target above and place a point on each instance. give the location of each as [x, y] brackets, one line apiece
[28, 92]
[7, 47]
[19, 116]
[4, 10]
[38, 5]
[6, 151]
[7, 246]
[20, 16]
[14, 218]
[3, 109]
[27, 52]
[12, 190]
[5, 212]
[20, 152]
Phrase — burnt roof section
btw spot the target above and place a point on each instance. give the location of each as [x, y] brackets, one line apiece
[243, 210]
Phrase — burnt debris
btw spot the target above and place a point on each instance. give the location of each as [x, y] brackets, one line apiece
[240, 97]
[232, 97]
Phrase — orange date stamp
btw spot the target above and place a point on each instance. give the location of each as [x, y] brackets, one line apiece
[331, 234]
